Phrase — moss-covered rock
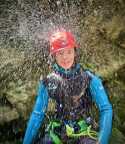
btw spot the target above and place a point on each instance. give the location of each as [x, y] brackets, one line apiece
[8, 114]
[117, 137]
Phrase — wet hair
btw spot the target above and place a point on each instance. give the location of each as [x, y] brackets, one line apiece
[77, 57]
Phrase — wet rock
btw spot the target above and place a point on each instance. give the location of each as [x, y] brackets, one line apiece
[120, 73]
[99, 40]
[8, 114]
[22, 97]
[114, 30]
[10, 60]
[117, 137]
[17, 89]
[121, 39]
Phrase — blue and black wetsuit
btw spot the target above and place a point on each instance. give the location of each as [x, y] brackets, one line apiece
[72, 91]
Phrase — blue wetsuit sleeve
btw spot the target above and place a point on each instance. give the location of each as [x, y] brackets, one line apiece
[105, 108]
[37, 115]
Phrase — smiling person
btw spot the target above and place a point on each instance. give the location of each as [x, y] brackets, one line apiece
[69, 91]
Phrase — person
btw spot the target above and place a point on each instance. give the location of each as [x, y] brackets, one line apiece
[70, 91]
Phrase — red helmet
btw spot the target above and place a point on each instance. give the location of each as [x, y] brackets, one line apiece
[61, 40]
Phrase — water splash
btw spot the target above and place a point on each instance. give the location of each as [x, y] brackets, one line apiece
[26, 32]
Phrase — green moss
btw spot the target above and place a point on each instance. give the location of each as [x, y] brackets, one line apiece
[117, 137]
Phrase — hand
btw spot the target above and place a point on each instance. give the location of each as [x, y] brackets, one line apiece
[97, 142]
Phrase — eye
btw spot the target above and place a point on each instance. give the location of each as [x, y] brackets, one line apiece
[60, 53]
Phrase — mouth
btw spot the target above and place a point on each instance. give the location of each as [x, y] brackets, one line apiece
[66, 62]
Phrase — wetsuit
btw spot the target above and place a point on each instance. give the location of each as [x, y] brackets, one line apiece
[72, 91]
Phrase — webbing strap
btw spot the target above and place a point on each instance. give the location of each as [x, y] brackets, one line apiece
[90, 133]
[55, 138]
[85, 130]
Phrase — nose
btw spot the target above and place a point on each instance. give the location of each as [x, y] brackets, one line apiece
[64, 56]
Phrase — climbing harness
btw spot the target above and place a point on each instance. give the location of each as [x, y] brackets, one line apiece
[84, 130]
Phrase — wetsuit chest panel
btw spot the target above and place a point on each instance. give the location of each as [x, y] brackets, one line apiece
[69, 94]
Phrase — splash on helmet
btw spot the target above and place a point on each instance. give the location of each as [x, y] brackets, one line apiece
[61, 39]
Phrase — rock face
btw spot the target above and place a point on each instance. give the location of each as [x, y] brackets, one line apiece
[7, 114]
[99, 28]
[15, 91]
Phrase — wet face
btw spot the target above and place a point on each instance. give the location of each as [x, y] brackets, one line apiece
[65, 58]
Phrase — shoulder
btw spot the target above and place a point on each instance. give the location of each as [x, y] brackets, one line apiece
[94, 78]
[87, 72]
[45, 79]
[42, 82]
[51, 81]
[50, 76]
[93, 75]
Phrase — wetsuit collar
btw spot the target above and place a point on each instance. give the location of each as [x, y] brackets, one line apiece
[66, 73]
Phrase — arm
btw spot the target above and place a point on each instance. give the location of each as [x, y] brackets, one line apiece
[37, 115]
[105, 108]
